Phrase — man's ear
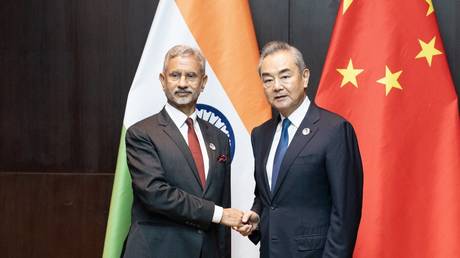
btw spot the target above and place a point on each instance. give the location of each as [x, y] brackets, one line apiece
[305, 77]
[162, 78]
[204, 81]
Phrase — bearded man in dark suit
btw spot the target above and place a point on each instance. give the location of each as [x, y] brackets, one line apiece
[308, 169]
[180, 170]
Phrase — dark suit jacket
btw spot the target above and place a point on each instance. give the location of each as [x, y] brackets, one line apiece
[315, 208]
[172, 213]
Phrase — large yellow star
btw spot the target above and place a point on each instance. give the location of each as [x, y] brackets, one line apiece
[430, 7]
[349, 74]
[390, 80]
[428, 50]
[346, 4]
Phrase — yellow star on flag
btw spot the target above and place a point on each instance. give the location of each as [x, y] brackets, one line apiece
[346, 4]
[430, 7]
[428, 50]
[390, 80]
[349, 74]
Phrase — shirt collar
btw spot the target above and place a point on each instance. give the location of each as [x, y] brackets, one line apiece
[178, 116]
[297, 116]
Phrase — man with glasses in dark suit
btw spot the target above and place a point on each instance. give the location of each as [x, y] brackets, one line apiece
[181, 183]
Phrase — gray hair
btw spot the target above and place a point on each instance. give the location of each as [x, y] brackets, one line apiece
[276, 46]
[184, 50]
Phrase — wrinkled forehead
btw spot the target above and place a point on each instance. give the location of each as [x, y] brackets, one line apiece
[188, 62]
[278, 62]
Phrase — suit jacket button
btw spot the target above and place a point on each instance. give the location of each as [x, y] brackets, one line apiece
[200, 231]
[273, 208]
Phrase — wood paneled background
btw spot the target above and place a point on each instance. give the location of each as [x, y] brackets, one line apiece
[66, 68]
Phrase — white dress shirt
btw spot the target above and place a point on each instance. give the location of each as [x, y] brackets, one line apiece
[296, 118]
[179, 118]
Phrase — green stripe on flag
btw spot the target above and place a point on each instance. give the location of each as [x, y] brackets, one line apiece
[120, 205]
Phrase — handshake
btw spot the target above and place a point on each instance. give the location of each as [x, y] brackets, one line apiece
[243, 222]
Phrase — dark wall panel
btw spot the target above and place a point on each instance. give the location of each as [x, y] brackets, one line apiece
[448, 15]
[53, 215]
[311, 32]
[271, 20]
[66, 69]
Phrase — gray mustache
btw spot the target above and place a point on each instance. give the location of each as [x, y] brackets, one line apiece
[182, 91]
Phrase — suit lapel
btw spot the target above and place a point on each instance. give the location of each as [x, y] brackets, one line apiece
[173, 132]
[209, 139]
[298, 144]
[267, 141]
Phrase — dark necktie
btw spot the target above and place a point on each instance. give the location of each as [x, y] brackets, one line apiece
[280, 151]
[194, 146]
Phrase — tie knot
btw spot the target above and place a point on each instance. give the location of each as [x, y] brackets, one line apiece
[189, 122]
[286, 124]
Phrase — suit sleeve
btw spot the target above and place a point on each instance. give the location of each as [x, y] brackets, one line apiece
[151, 187]
[345, 173]
[257, 204]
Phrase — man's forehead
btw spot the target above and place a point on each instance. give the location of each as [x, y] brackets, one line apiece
[189, 62]
[185, 59]
[277, 68]
[275, 71]
[280, 61]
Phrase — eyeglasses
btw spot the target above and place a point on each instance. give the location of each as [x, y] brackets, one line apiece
[190, 77]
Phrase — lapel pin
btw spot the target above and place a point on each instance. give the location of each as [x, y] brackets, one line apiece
[222, 158]
[306, 131]
[212, 146]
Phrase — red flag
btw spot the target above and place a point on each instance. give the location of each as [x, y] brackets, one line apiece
[386, 72]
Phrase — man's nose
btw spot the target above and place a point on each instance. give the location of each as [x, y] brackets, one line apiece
[277, 85]
[183, 81]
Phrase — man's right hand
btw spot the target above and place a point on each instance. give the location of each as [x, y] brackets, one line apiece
[232, 217]
[251, 222]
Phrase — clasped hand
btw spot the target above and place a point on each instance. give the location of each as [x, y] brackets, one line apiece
[243, 222]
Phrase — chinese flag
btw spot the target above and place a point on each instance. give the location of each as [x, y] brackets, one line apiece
[386, 72]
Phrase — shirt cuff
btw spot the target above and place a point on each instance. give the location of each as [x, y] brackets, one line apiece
[217, 216]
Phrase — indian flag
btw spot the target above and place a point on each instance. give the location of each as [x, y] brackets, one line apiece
[233, 99]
